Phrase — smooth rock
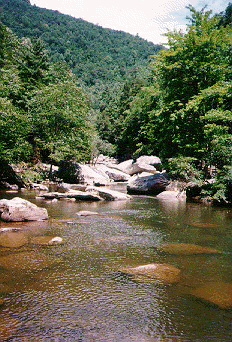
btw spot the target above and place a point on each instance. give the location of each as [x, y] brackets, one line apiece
[126, 167]
[19, 209]
[27, 261]
[113, 173]
[219, 294]
[86, 213]
[111, 195]
[160, 273]
[40, 187]
[73, 194]
[84, 195]
[46, 240]
[77, 173]
[186, 249]
[65, 187]
[172, 195]
[13, 239]
[147, 185]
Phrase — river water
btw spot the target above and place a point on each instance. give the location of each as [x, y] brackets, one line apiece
[84, 297]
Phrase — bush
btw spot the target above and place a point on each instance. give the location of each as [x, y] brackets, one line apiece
[183, 168]
[222, 188]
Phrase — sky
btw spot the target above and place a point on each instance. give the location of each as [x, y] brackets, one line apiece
[149, 19]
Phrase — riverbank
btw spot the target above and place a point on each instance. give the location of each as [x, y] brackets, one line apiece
[144, 176]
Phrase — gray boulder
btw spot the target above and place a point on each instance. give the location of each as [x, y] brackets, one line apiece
[77, 173]
[19, 210]
[142, 164]
[113, 173]
[110, 195]
[147, 184]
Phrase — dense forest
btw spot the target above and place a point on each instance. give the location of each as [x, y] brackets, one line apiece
[71, 90]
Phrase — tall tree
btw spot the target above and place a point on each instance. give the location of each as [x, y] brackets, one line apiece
[59, 116]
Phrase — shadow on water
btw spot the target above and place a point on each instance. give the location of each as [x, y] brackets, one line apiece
[75, 292]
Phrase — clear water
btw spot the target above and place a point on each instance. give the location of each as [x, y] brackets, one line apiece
[85, 298]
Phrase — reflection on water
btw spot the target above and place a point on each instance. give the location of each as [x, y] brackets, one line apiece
[84, 297]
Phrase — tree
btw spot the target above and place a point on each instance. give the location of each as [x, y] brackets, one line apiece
[195, 61]
[14, 129]
[59, 116]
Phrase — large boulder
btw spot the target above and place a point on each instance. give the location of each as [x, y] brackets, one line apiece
[19, 209]
[113, 173]
[77, 173]
[75, 194]
[142, 164]
[150, 160]
[147, 184]
[111, 195]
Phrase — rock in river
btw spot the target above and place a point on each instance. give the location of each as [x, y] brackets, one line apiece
[187, 248]
[86, 213]
[46, 240]
[27, 261]
[18, 209]
[160, 273]
[13, 239]
[147, 185]
[8, 327]
[219, 294]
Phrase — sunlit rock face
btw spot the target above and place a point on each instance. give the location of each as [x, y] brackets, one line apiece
[160, 273]
[13, 239]
[219, 294]
[18, 209]
[27, 261]
[187, 248]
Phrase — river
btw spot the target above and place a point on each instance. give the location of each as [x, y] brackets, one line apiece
[84, 297]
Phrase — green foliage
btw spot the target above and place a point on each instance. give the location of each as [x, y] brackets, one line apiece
[14, 128]
[93, 53]
[139, 127]
[59, 116]
[183, 168]
[222, 188]
[44, 112]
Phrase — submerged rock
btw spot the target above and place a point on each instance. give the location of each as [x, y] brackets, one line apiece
[186, 248]
[86, 213]
[27, 261]
[19, 209]
[13, 239]
[46, 240]
[160, 273]
[219, 294]
[8, 327]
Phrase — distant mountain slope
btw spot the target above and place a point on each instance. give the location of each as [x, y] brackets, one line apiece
[94, 53]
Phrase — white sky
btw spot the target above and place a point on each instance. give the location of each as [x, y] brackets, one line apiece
[147, 18]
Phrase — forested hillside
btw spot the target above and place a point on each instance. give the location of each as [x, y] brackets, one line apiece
[94, 91]
[94, 53]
